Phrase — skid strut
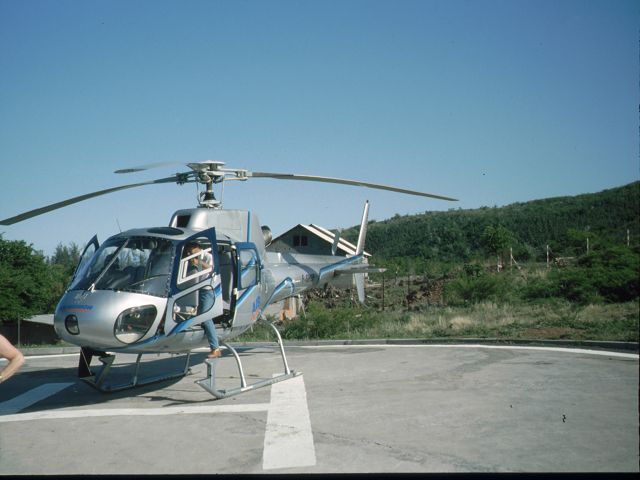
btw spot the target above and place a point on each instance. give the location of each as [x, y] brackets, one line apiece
[209, 383]
[97, 381]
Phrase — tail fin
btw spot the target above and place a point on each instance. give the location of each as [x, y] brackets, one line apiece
[363, 228]
[359, 277]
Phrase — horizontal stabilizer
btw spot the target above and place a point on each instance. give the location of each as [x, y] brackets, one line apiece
[358, 269]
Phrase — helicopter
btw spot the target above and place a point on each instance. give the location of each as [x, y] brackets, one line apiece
[135, 292]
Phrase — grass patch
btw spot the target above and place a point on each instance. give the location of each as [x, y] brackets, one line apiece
[553, 319]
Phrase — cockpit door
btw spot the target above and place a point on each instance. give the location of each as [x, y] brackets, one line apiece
[88, 252]
[195, 294]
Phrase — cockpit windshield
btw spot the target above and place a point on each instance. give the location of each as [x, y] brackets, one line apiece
[131, 264]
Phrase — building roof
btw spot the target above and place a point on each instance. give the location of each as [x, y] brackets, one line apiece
[326, 235]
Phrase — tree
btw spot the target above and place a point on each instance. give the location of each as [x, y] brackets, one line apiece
[577, 241]
[67, 256]
[28, 285]
[497, 240]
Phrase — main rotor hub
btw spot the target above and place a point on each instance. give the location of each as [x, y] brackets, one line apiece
[206, 166]
[208, 173]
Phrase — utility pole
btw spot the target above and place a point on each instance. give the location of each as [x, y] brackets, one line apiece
[383, 291]
[547, 255]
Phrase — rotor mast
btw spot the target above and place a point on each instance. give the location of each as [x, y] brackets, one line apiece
[209, 173]
[207, 198]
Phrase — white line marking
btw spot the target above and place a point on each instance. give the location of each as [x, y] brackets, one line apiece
[36, 357]
[288, 441]
[113, 412]
[496, 347]
[30, 397]
[523, 347]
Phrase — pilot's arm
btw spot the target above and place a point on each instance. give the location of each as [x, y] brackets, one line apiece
[205, 261]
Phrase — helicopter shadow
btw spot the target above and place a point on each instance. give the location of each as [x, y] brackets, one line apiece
[79, 393]
[165, 392]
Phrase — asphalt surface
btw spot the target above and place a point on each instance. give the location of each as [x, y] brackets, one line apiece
[354, 409]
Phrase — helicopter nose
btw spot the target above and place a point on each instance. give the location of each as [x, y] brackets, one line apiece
[66, 319]
[106, 319]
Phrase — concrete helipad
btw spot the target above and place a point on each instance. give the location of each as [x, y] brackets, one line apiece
[409, 408]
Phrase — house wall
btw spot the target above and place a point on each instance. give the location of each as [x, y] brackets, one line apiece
[285, 309]
[314, 246]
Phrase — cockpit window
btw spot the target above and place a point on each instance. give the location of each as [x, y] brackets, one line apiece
[196, 263]
[133, 264]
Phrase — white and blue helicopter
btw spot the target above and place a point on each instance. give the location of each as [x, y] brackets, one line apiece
[135, 294]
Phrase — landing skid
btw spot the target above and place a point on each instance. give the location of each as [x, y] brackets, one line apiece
[209, 383]
[97, 381]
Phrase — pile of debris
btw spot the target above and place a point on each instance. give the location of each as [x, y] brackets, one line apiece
[428, 292]
[403, 293]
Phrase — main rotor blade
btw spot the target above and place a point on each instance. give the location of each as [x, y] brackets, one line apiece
[80, 198]
[141, 168]
[357, 183]
[204, 166]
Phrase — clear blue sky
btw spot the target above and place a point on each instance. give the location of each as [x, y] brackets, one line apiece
[489, 101]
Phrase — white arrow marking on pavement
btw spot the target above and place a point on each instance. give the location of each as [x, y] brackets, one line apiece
[288, 441]
[605, 353]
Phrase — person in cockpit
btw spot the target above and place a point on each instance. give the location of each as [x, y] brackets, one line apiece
[206, 296]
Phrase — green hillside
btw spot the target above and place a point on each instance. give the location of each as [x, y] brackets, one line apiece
[442, 278]
[456, 235]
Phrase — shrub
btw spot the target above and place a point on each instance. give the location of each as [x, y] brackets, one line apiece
[538, 287]
[573, 284]
[472, 289]
[319, 322]
[609, 274]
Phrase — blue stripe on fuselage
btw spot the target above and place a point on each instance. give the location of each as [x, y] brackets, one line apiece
[335, 266]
